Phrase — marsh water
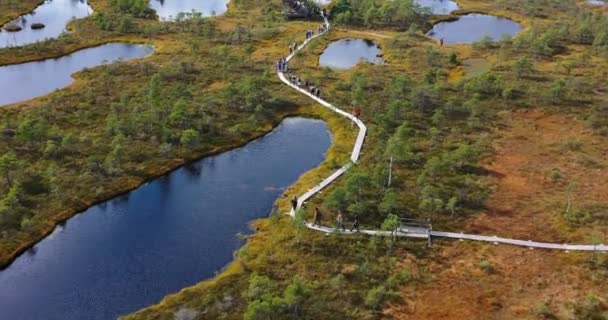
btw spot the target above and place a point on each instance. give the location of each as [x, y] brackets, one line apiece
[32, 79]
[438, 6]
[474, 27]
[54, 14]
[173, 232]
[169, 9]
[598, 2]
[346, 53]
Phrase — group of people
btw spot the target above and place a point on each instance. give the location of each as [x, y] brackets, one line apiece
[309, 34]
[339, 220]
[282, 65]
[315, 91]
[319, 216]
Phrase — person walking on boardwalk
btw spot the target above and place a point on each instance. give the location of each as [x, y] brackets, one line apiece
[355, 224]
[340, 220]
[356, 112]
[318, 217]
[294, 203]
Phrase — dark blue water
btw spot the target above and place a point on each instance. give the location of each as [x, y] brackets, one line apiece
[473, 27]
[346, 53]
[438, 6]
[129, 252]
[169, 9]
[33, 79]
[55, 14]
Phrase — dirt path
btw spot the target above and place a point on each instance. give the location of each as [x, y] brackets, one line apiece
[478, 281]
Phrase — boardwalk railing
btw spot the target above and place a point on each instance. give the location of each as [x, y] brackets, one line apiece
[409, 231]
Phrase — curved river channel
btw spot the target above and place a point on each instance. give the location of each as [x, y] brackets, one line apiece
[173, 232]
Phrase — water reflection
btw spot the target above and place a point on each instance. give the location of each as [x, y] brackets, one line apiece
[169, 9]
[473, 27]
[438, 6]
[346, 53]
[54, 14]
[120, 256]
[29, 80]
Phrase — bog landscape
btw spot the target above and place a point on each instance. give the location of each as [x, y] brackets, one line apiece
[303, 159]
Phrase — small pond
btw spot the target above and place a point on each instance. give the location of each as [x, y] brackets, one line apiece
[33, 79]
[346, 53]
[54, 14]
[173, 232]
[168, 9]
[438, 6]
[473, 27]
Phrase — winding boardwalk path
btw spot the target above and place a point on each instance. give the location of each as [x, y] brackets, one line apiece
[413, 232]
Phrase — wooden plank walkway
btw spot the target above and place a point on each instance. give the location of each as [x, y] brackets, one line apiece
[409, 232]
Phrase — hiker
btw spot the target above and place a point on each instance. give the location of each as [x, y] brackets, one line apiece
[340, 220]
[290, 50]
[294, 203]
[355, 224]
[441, 42]
[295, 46]
[318, 217]
[312, 90]
[357, 112]
[324, 13]
[318, 92]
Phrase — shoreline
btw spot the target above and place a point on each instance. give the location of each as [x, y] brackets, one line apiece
[73, 49]
[6, 259]
[20, 13]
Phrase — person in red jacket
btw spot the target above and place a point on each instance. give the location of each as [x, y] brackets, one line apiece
[357, 112]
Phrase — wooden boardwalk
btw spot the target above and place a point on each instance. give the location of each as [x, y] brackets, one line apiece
[409, 232]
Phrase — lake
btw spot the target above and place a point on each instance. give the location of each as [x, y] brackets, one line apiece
[29, 80]
[168, 9]
[54, 14]
[346, 53]
[129, 252]
[474, 27]
[438, 6]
